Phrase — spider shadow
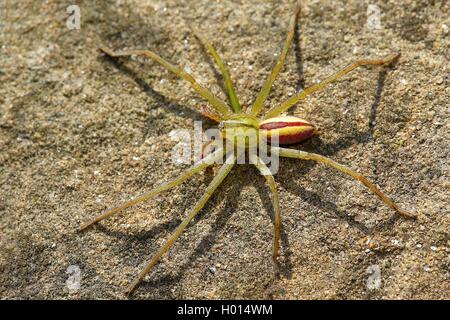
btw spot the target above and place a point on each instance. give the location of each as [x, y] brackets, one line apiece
[376, 102]
[168, 104]
[139, 241]
[315, 200]
[312, 198]
[284, 267]
[358, 137]
[217, 75]
[298, 55]
[206, 243]
[139, 238]
[330, 149]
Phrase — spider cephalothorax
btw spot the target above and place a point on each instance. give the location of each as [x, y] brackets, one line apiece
[234, 125]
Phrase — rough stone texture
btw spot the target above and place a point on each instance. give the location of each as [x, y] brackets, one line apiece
[79, 134]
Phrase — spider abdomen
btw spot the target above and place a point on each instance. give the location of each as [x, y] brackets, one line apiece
[289, 129]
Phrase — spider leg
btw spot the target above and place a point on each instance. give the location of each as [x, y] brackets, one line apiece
[290, 153]
[303, 94]
[223, 69]
[215, 102]
[223, 172]
[265, 90]
[264, 170]
[207, 161]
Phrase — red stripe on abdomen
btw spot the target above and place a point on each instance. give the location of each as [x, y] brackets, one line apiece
[278, 125]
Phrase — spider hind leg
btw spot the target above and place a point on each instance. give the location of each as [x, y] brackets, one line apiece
[290, 153]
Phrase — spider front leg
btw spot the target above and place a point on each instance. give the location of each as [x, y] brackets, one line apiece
[207, 161]
[223, 172]
[290, 153]
[215, 102]
[264, 170]
[224, 70]
[303, 94]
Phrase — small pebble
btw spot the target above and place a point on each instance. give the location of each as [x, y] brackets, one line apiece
[374, 280]
[187, 69]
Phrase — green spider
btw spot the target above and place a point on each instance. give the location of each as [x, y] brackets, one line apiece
[235, 124]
